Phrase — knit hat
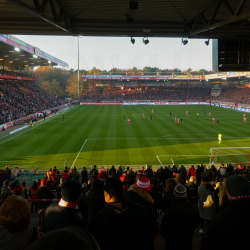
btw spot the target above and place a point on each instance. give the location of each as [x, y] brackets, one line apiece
[180, 179]
[143, 183]
[71, 190]
[238, 186]
[180, 191]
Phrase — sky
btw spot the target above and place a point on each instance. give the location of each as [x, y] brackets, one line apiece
[106, 53]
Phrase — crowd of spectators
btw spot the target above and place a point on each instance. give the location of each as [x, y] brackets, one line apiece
[235, 95]
[15, 73]
[117, 209]
[153, 94]
[19, 99]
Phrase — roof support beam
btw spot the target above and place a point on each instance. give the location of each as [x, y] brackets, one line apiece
[41, 15]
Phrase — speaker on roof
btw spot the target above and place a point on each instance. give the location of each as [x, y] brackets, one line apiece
[133, 5]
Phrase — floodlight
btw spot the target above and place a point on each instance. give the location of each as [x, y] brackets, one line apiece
[35, 56]
[133, 5]
[132, 40]
[145, 40]
[184, 41]
[49, 61]
[17, 49]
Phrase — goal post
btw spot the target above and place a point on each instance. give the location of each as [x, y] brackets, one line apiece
[229, 155]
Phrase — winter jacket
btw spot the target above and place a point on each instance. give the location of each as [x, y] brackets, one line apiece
[112, 172]
[56, 217]
[94, 199]
[119, 173]
[207, 211]
[93, 173]
[102, 174]
[123, 219]
[222, 172]
[223, 199]
[44, 193]
[230, 230]
[19, 240]
[191, 172]
[193, 189]
[149, 173]
[182, 218]
[157, 197]
[137, 195]
[7, 174]
[5, 193]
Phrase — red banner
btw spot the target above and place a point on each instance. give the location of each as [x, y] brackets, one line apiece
[101, 103]
[17, 78]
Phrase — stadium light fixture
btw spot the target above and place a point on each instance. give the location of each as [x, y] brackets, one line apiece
[49, 61]
[17, 49]
[145, 40]
[132, 40]
[133, 5]
[35, 56]
[184, 41]
[207, 42]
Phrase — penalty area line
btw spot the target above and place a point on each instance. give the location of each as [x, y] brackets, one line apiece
[79, 153]
[158, 159]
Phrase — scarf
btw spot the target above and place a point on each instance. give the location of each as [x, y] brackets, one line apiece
[8, 188]
[240, 198]
[72, 205]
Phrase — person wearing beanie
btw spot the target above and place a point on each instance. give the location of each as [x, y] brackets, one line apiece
[207, 203]
[182, 217]
[122, 218]
[66, 212]
[181, 179]
[44, 193]
[138, 193]
[233, 223]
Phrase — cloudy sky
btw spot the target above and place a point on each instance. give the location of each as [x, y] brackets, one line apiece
[107, 52]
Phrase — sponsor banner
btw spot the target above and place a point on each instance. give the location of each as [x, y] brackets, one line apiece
[15, 42]
[244, 110]
[17, 78]
[101, 103]
[49, 57]
[140, 77]
[226, 107]
[14, 131]
[9, 124]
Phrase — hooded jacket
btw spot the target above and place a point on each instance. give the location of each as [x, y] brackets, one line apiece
[123, 219]
[137, 195]
[232, 225]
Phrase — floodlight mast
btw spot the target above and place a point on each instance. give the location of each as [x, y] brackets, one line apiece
[78, 70]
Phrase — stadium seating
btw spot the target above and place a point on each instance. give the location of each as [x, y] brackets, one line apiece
[19, 99]
[166, 94]
[15, 73]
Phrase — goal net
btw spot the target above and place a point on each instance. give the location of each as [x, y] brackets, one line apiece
[230, 155]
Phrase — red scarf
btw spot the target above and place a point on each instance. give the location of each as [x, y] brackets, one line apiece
[72, 205]
[240, 198]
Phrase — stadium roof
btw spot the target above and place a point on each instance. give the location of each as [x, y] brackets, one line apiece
[15, 52]
[157, 18]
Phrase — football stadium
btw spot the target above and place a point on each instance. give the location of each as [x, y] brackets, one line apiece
[136, 158]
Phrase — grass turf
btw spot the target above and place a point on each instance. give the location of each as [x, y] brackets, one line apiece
[99, 135]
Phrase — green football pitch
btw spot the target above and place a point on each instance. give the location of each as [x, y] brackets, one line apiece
[100, 135]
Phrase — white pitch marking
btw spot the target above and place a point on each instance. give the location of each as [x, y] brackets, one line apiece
[79, 153]
[158, 159]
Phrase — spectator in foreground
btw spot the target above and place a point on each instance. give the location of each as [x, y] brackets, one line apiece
[66, 212]
[59, 188]
[7, 173]
[15, 218]
[84, 175]
[155, 194]
[182, 217]
[94, 199]
[44, 193]
[233, 223]
[66, 238]
[93, 173]
[116, 220]
[169, 194]
[138, 193]
[33, 195]
[6, 191]
[207, 205]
